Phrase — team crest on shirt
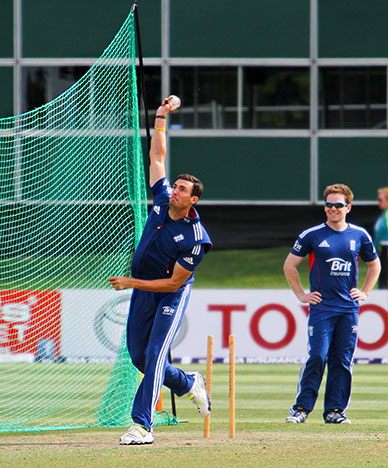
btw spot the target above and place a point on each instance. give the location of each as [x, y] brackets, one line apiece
[352, 245]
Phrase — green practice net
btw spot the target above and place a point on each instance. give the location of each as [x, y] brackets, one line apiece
[72, 209]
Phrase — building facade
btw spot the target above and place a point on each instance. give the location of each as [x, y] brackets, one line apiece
[280, 97]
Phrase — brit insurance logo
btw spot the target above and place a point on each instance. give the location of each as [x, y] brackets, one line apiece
[167, 310]
[339, 267]
[297, 246]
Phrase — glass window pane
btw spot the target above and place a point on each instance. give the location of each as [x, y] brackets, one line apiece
[153, 88]
[209, 97]
[353, 97]
[276, 97]
[42, 84]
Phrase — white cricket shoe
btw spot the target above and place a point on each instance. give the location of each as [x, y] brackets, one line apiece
[297, 415]
[198, 394]
[337, 417]
[136, 435]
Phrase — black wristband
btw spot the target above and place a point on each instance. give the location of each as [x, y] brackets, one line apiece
[160, 117]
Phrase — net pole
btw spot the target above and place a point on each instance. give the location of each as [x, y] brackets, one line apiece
[141, 82]
[173, 405]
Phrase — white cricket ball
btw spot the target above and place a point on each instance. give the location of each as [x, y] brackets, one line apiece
[175, 101]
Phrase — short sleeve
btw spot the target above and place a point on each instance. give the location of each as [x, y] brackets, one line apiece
[302, 246]
[190, 259]
[367, 251]
[161, 191]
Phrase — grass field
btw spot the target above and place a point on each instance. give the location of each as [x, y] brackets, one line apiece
[264, 394]
[263, 440]
[260, 268]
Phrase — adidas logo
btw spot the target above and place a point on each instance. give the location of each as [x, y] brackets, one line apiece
[189, 260]
[324, 244]
[157, 209]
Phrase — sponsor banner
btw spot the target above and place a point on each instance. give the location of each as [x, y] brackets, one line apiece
[269, 324]
[30, 324]
[273, 360]
[93, 323]
[81, 325]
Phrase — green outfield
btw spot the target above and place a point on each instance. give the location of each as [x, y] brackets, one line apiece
[261, 268]
[263, 395]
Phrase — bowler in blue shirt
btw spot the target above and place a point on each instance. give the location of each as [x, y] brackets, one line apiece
[172, 245]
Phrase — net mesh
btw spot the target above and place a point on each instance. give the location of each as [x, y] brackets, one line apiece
[72, 208]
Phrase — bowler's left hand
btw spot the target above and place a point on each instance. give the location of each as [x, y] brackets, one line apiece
[120, 282]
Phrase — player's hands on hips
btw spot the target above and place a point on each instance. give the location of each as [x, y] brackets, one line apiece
[357, 295]
[167, 106]
[120, 282]
[312, 298]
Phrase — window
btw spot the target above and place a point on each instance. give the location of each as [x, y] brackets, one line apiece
[272, 97]
[42, 84]
[153, 88]
[352, 97]
[209, 97]
[276, 97]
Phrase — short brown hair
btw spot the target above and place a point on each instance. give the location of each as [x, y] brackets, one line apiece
[339, 188]
[197, 190]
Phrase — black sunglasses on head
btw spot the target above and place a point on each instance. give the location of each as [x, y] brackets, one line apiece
[336, 204]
